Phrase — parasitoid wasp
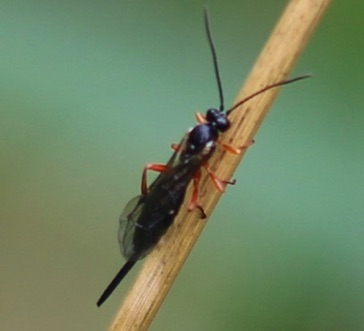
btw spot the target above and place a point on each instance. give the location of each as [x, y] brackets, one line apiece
[147, 216]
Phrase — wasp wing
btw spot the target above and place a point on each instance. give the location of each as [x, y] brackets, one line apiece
[147, 217]
[127, 221]
[145, 220]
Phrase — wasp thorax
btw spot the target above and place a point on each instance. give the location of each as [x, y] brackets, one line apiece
[200, 137]
[218, 119]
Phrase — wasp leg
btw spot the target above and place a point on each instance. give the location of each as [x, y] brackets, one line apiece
[154, 167]
[236, 150]
[193, 202]
[200, 118]
[175, 147]
[219, 183]
[203, 214]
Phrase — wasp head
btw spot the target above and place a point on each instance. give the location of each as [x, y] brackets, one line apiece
[217, 119]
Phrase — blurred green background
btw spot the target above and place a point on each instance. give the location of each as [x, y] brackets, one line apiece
[92, 90]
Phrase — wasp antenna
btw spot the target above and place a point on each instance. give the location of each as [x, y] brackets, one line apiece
[264, 89]
[214, 58]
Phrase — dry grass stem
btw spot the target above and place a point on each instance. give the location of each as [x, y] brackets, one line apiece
[274, 64]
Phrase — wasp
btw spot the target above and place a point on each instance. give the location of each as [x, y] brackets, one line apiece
[147, 217]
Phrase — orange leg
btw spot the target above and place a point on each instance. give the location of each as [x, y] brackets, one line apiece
[236, 150]
[200, 118]
[219, 183]
[154, 167]
[175, 147]
[194, 198]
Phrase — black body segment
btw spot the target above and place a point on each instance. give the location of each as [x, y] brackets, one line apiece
[147, 217]
[116, 281]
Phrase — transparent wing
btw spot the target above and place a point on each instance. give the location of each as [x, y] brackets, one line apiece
[143, 222]
[127, 222]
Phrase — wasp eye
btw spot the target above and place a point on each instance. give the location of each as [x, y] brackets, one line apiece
[218, 119]
[212, 114]
[222, 123]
